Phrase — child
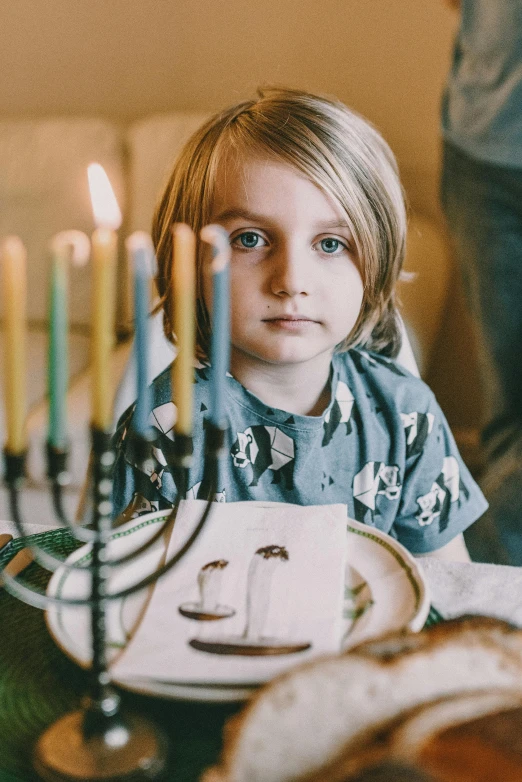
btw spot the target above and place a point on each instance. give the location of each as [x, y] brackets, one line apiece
[318, 410]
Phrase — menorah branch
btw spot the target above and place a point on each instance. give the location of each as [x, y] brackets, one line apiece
[98, 741]
[103, 458]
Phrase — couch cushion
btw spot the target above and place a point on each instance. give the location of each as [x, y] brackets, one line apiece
[36, 386]
[37, 346]
[153, 145]
[43, 190]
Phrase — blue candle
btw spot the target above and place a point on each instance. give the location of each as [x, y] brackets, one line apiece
[216, 236]
[140, 249]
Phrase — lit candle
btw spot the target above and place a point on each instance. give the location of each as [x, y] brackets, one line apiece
[107, 217]
[66, 246]
[14, 259]
[139, 247]
[184, 320]
[220, 340]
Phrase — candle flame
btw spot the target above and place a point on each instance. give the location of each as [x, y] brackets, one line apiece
[74, 242]
[104, 205]
[216, 236]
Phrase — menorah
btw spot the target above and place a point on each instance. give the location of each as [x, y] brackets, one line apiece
[99, 741]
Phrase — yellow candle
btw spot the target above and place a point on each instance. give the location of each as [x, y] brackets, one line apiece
[104, 256]
[13, 256]
[184, 320]
[104, 253]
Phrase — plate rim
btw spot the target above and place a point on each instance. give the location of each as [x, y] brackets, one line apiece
[232, 692]
[408, 563]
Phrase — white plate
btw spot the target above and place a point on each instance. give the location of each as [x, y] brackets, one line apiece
[385, 591]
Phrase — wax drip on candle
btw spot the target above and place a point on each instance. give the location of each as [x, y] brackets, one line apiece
[76, 243]
[216, 236]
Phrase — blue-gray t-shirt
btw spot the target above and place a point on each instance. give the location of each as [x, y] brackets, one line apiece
[482, 103]
[382, 447]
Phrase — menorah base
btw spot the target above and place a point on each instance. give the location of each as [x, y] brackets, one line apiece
[130, 751]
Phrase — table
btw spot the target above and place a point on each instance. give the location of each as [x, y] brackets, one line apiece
[38, 683]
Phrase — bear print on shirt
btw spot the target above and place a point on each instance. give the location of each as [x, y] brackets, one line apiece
[339, 413]
[197, 492]
[417, 427]
[447, 489]
[265, 448]
[375, 478]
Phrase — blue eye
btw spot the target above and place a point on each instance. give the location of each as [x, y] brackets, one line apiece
[330, 245]
[249, 240]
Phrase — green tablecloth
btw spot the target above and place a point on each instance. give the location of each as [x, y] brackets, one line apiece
[38, 683]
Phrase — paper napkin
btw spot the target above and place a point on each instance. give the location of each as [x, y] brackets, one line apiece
[260, 590]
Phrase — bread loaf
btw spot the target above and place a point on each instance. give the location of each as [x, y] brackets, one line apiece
[391, 772]
[309, 717]
[484, 748]
[405, 739]
[418, 728]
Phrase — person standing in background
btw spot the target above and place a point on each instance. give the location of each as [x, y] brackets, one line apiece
[481, 193]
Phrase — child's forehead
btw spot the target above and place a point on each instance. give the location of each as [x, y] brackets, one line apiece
[257, 182]
[246, 166]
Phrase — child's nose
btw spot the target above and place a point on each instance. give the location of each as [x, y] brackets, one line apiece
[290, 276]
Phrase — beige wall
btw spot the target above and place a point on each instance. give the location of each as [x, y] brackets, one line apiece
[124, 59]
[127, 58]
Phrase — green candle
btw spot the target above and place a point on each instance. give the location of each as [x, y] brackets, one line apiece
[58, 367]
[66, 247]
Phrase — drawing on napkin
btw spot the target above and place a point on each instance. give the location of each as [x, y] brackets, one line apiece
[263, 587]
[208, 609]
[259, 580]
[252, 641]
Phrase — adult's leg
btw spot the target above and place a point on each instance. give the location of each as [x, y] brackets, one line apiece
[483, 206]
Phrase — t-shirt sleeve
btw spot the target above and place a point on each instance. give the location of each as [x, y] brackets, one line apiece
[439, 498]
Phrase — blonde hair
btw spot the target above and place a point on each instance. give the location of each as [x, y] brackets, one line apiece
[334, 148]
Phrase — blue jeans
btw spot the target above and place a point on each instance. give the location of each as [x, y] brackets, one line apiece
[483, 207]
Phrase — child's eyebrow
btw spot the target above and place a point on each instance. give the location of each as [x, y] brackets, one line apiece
[237, 213]
[334, 224]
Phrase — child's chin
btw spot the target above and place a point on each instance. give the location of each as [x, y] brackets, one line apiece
[289, 357]
[285, 353]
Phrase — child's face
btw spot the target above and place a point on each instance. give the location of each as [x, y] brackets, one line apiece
[296, 289]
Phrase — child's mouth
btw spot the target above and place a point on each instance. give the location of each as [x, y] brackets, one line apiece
[292, 323]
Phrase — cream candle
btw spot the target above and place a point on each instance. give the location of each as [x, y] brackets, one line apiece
[107, 217]
[184, 322]
[14, 261]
